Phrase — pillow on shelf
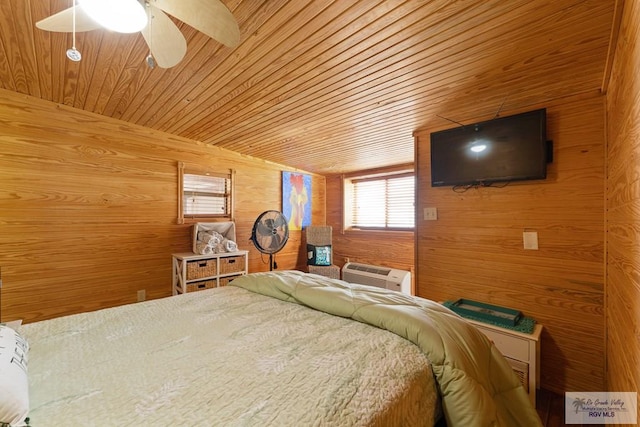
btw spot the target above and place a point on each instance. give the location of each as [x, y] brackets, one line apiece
[14, 387]
[319, 255]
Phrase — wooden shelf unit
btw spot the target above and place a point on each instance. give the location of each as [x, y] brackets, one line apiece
[193, 272]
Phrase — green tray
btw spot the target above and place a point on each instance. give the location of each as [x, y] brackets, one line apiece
[491, 313]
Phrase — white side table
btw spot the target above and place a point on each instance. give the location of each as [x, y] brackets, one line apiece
[521, 350]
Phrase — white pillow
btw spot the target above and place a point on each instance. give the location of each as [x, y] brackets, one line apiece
[14, 386]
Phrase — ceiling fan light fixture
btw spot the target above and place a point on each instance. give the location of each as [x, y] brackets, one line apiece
[122, 16]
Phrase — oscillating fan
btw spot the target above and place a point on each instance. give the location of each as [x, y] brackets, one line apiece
[270, 233]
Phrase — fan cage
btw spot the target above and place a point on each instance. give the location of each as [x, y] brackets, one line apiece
[261, 222]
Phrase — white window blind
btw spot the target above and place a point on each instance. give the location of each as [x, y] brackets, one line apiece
[383, 202]
[205, 195]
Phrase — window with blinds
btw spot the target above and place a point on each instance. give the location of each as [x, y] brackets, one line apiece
[205, 194]
[380, 202]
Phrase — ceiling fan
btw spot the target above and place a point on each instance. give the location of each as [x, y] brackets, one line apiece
[166, 43]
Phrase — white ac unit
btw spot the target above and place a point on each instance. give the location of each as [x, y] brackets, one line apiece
[381, 277]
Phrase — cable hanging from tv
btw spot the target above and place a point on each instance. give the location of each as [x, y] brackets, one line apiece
[465, 188]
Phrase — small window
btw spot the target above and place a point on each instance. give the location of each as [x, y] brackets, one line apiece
[204, 194]
[384, 202]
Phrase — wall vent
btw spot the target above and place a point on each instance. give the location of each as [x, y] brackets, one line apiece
[380, 277]
[521, 370]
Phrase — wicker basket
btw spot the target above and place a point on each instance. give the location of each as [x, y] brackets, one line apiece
[331, 271]
[232, 264]
[198, 286]
[224, 281]
[201, 268]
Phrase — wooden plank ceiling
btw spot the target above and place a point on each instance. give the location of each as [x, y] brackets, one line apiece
[325, 86]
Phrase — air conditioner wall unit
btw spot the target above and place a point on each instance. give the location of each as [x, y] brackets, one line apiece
[381, 277]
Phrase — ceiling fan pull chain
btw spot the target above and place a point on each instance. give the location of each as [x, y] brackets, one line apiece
[73, 53]
[151, 61]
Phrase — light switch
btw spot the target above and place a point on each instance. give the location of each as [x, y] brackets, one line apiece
[530, 239]
[430, 214]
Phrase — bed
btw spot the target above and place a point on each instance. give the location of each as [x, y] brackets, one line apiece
[272, 349]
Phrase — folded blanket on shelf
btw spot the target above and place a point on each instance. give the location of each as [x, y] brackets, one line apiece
[229, 246]
[212, 238]
[204, 249]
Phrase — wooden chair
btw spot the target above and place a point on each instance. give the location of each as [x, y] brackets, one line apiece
[319, 251]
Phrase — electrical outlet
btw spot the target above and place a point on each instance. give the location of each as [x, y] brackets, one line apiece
[142, 295]
[430, 214]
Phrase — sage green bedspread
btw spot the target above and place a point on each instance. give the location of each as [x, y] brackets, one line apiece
[477, 385]
[225, 357]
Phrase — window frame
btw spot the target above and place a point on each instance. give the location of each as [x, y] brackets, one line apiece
[348, 198]
[229, 196]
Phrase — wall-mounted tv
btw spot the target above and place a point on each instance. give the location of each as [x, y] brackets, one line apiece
[511, 148]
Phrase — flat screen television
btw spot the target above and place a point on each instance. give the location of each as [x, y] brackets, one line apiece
[511, 148]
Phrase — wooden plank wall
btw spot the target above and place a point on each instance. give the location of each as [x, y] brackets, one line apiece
[88, 208]
[623, 209]
[475, 249]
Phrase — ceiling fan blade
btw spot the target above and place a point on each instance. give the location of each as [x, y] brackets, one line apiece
[210, 17]
[62, 22]
[166, 42]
